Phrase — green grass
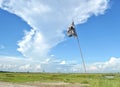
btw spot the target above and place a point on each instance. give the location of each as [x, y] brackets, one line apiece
[94, 80]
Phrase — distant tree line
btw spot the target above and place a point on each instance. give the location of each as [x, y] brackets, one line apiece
[4, 71]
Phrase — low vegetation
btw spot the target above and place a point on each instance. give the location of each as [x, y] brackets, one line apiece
[93, 80]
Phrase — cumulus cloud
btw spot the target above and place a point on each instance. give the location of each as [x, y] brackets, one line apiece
[48, 19]
[24, 65]
[63, 62]
[19, 64]
[53, 65]
[112, 65]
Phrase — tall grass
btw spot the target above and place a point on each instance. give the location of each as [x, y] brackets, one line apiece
[94, 80]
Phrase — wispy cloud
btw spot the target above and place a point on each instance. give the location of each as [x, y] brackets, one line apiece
[48, 19]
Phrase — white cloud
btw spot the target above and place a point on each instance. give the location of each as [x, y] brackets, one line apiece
[92, 7]
[48, 19]
[112, 65]
[63, 62]
[25, 67]
[53, 65]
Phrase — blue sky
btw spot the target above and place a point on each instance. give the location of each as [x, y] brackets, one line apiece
[35, 39]
[99, 36]
[11, 30]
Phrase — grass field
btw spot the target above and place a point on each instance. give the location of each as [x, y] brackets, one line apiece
[94, 80]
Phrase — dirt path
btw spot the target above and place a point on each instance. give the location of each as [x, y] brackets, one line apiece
[39, 84]
[5, 84]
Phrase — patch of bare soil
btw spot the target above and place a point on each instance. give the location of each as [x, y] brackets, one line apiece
[6, 84]
[43, 84]
[57, 84]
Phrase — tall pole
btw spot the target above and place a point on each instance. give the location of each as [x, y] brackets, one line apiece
[72, 32]
[84, 66]
[81, 54]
